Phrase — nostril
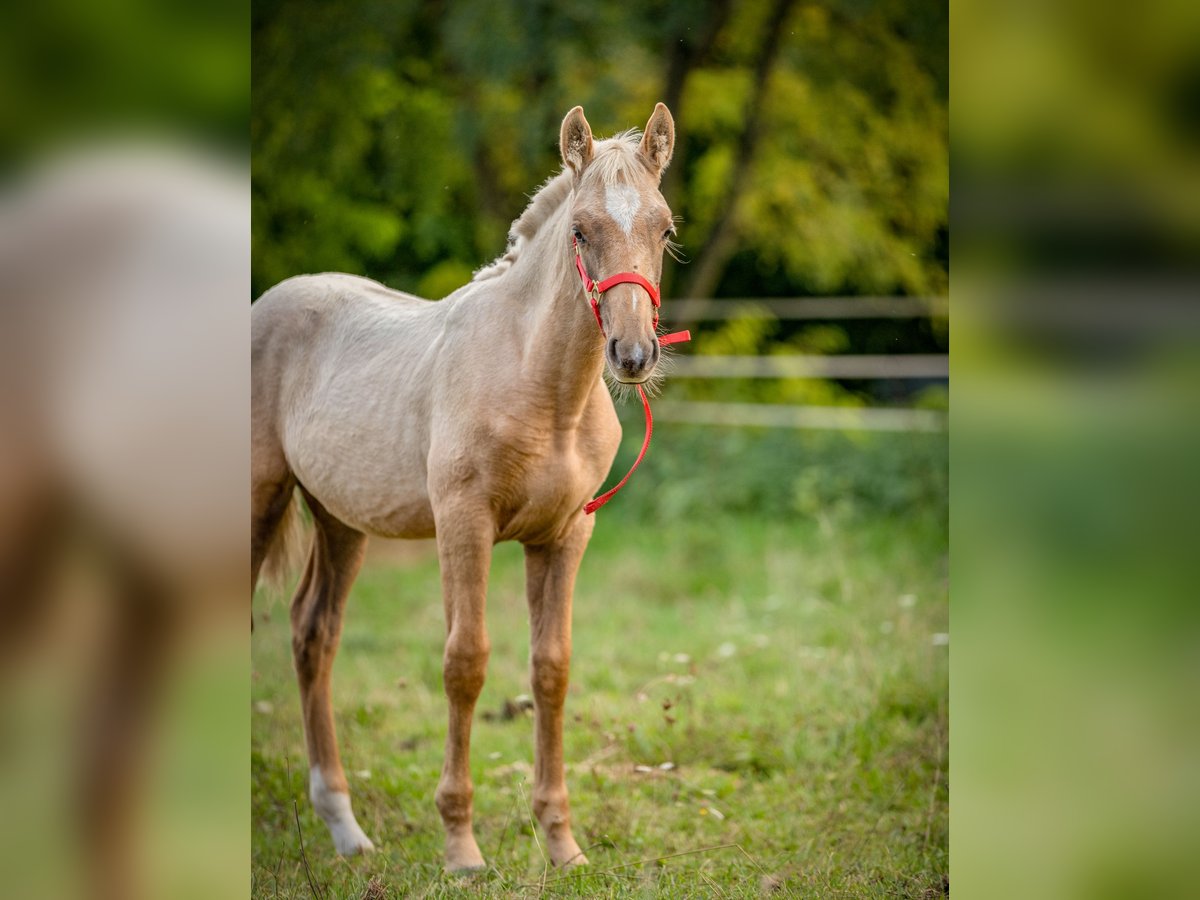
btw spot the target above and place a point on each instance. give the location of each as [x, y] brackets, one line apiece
[612, 348]
[655, 351]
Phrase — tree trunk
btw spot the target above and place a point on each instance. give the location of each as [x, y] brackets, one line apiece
[713, 257]
[685, 56]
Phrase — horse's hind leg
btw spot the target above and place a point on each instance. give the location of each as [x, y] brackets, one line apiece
[272, 486]
[334, 561]
[550, 582]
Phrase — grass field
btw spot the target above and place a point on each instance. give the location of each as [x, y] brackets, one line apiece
[756, 708]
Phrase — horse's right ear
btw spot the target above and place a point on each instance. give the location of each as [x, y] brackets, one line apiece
[575, 140]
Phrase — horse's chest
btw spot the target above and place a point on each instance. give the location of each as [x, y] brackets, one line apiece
[543, 486]
[537, 489]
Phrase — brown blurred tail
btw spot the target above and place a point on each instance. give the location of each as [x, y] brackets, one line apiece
[286, 549]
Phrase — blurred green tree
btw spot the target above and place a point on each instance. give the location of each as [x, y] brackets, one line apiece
[399, 139]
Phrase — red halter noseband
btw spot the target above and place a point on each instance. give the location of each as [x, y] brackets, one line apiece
[594, 291]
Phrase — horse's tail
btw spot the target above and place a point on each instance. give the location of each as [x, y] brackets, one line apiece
[286, 549]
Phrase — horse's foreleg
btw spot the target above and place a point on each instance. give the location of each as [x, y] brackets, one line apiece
[550, 582]
[336, 557]
[465, 552]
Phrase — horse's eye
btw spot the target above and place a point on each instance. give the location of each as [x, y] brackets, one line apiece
[669, 234]
[578, 234]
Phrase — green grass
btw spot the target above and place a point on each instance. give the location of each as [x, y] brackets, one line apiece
[787, 670]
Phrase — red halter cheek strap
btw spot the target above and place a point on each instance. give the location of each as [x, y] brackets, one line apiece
[594, 291]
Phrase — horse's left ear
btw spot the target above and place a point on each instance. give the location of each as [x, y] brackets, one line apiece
[658, 143]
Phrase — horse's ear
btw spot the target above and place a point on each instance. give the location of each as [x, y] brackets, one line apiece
[658, 143]
[575, 140]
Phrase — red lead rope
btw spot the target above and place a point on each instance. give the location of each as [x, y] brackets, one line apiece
[594, 291]
[592, 505]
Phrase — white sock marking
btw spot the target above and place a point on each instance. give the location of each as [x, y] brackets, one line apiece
[334, 808]
[622, 202]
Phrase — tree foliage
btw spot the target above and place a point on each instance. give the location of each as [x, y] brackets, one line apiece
[399, 139]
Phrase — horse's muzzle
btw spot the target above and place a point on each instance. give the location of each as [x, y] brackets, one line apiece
[632, 361]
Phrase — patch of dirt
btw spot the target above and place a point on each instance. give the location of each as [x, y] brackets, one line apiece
[519, 707]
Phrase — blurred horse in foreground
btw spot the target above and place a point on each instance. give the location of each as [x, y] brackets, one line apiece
[124, 272]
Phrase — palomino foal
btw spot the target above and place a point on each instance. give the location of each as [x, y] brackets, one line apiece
[481, 418]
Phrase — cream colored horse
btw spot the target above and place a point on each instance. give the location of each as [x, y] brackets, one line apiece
[481, 418]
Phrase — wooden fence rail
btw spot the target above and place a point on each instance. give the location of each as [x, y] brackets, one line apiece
[768, 415]
[808, 308]
[914, 365]
[841, 418]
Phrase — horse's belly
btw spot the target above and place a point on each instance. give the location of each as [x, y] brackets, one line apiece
[373, 486]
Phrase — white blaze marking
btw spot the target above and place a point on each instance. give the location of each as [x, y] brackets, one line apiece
[622, 202]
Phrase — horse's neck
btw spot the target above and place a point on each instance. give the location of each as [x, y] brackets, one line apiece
[563, 349]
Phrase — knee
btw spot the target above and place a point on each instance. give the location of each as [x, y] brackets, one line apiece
[550, 807]
[454, 800]
[550, 670]
[465, 664]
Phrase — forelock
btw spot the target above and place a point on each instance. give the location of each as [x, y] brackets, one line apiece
[617, 159]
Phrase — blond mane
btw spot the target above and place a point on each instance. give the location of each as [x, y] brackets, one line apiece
[613, 158]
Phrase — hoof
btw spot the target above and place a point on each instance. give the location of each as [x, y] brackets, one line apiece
[466, 871]
[572, 861]
[462, 854]
[349, 839]
[565, 853]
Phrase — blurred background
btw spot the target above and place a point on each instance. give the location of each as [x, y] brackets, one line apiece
[1076, 245]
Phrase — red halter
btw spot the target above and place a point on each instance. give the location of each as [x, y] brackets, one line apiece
[594, 291]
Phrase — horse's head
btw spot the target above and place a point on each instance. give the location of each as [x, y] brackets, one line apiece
[620, 226]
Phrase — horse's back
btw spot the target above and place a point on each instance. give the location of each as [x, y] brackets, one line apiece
[330, 313]
[304, 298]
[341, 285]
